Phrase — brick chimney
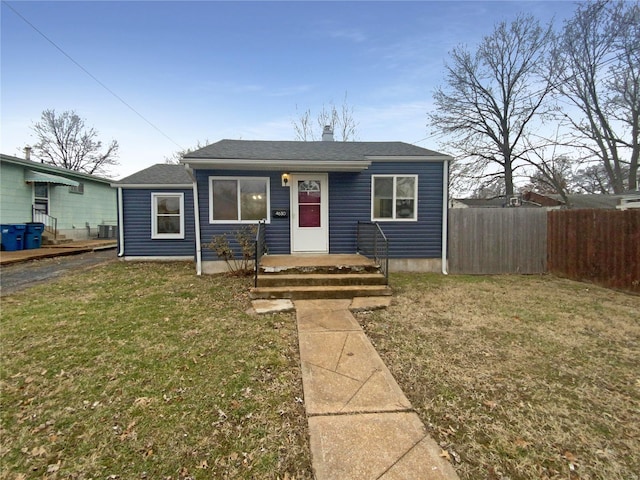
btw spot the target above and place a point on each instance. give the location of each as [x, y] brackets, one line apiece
[327, 134]
[27, 152]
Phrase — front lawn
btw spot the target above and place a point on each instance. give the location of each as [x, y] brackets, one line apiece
[134, 371]
[146, 371]
[518, 377]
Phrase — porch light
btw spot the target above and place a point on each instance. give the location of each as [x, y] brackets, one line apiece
[285, 179]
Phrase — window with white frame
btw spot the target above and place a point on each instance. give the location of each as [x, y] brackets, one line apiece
[238, 199]
[167, 215]
[394, 197]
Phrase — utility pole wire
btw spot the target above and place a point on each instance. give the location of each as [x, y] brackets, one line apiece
[93, 76]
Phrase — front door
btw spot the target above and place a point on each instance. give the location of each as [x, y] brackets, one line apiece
[309, 213]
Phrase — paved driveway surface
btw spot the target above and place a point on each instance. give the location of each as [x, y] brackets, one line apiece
[18, 276]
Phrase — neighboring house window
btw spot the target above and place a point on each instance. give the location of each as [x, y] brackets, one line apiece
[41, 197]
[239, 199]
[79, 189]
[167, 215]
[395, 197]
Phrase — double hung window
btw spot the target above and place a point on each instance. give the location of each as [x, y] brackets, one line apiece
[167, 215]
[394, 197]
[41, 197]
[238, 199]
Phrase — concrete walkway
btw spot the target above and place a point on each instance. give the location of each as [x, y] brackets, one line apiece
[361, 425]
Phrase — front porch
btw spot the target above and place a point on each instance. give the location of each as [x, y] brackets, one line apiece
[298, 277]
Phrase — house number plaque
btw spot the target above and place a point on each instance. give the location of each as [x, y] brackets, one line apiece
[282, 213]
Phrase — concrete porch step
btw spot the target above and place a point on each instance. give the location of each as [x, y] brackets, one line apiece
[321, 279]
[49, 239]
[319, 292]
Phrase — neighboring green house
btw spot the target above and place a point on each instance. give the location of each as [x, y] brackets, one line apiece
[71, 204]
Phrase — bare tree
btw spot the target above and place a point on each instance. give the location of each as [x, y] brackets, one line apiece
[492, 188]
[178, 155]
[594, 179]
[553, 174]
[340, 119]
[64, 141]
[552, 170]
[597, 59]
[492, 97]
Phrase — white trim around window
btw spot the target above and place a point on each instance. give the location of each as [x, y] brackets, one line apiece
[243, 200]
[167, 215]
[394, 198]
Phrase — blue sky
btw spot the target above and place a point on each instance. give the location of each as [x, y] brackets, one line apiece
[212, 70]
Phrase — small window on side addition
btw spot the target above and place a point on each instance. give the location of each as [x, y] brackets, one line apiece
[167, 215]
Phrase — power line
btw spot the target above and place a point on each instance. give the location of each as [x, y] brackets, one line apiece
[120, 99]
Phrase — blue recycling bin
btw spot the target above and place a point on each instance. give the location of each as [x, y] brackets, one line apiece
[33, 235]
[13, 236]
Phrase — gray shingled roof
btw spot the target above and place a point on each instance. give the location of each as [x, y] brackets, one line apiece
[590, 200]
[158, 174]
[305, 151]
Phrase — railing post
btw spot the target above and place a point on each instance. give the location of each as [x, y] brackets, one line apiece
[375, 242]
[259, 249]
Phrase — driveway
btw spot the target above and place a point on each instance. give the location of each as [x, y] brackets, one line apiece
[18, 276]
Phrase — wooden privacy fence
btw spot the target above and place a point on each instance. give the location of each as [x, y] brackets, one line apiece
[497, 240]
[602, 246]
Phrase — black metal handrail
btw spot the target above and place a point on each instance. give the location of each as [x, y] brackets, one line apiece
[50, 223]
[372, 242]
[260, 248]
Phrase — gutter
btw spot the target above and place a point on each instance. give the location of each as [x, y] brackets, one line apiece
[445, 213]
[120, 224]
[196, 218]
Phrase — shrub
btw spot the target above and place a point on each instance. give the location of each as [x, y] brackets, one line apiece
[245, 238]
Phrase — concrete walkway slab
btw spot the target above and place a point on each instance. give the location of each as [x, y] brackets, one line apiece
[272, 306]
[375, 446]
[361, 424]
[346, 374]
[328, 321]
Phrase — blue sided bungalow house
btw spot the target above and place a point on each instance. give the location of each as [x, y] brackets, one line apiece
[312, 197]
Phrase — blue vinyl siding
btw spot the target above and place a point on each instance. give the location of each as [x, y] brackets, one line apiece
[350, 202]
[277, 234]
[137, 225]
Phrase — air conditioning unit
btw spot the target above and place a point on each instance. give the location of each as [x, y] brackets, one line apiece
[515, 201]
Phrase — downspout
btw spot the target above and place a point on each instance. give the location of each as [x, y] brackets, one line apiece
[445, 213]
[120, 224]
[196, 219]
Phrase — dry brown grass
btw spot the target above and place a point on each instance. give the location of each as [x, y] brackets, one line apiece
[519, 377]
[145, 371]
